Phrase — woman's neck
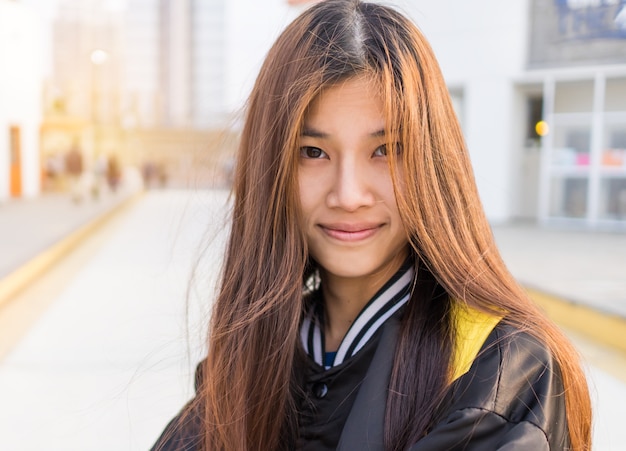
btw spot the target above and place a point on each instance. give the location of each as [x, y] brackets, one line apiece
[342, 304]
[344, 299]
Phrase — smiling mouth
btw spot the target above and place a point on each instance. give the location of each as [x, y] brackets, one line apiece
[350, 232]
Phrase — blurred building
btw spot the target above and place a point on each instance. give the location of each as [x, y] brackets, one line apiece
[191, 63]
[20, 101]
[577, 52]
[88, 50]
[156, 82]
[175, 60]
[82, 99]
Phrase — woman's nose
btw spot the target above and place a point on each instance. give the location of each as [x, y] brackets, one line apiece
[351, 189]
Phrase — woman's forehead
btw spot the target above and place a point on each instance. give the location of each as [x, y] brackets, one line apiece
[353, 103]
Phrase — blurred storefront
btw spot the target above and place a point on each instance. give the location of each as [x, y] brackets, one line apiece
[578, 54]
[20, 106]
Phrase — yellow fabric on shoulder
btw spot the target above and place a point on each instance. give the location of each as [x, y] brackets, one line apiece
[472, 329]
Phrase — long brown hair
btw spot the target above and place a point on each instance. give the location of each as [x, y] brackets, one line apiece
[248, 397]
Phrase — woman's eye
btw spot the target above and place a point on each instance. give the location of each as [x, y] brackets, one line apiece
[382, 150]
[312, 152]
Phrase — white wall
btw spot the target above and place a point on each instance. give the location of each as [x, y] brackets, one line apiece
[481, 47]
[179, 64]
[21, 59]
[208, 62]
[252, 27]
[141, 65]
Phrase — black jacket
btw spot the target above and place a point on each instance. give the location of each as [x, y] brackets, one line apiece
[510, 399]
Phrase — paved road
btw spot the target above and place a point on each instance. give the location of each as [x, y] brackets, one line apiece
[109, 358]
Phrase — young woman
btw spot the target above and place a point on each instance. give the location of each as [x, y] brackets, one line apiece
[363, 303]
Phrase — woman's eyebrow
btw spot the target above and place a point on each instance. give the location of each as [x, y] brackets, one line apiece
[312, 133]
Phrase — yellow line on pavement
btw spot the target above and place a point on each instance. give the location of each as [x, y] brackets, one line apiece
[604, 328]
[19, 279]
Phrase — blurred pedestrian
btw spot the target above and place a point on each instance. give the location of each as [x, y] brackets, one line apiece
[100, 183]
[54, 167]
[363, 302]
[74, 172]
[113, 173]
[148, 172]
[162, 174]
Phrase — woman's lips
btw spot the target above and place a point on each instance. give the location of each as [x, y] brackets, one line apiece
[350, 232]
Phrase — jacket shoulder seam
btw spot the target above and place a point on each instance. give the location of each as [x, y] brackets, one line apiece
[506, 419]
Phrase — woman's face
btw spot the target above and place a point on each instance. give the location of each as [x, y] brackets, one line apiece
[351, 218]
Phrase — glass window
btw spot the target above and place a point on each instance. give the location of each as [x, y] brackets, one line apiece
[614, 147]
[613, 198]
[573, 97]
[568, 197]
[571, 145]
[615, 94]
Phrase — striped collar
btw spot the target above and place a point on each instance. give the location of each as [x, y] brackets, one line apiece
[388, 300]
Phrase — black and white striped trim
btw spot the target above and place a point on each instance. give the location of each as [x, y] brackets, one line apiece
[393, 295]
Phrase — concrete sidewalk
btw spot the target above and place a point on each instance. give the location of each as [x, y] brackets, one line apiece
[583, 267]
[578, 277]
[36, 233]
